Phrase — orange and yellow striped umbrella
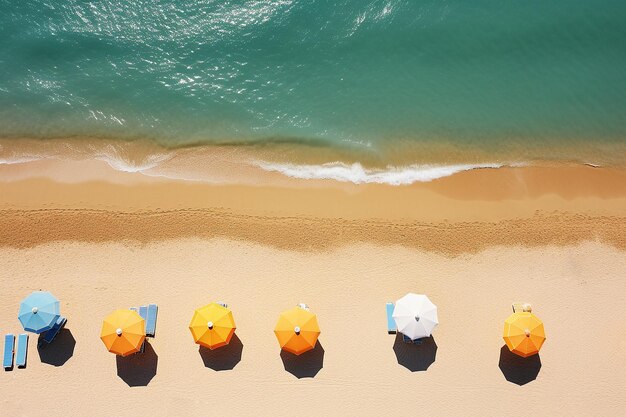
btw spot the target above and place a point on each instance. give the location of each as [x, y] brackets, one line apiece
[524, 334]
[212, 326]
[123, 332]
[297, 330]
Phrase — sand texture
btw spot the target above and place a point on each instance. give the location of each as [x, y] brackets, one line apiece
[578, 291]
[474, 242]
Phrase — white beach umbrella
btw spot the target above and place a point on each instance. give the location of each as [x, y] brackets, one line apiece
[415, 316]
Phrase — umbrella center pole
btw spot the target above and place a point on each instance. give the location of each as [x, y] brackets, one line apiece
[417, 318]
[527, 332]
[210, 325]
[297, 330]
[118, 332]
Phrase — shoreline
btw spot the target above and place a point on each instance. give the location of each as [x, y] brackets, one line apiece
[340, 155]
[280, 162]
[87, 201]
[474, 242]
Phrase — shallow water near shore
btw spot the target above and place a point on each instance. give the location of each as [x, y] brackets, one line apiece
[378, 82]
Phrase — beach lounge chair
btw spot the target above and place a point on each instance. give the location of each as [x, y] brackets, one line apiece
[49, 336]
[143, 312]
[407, 339]
[151, 319]
[22, 349]
[521, 307]
[9, 343]
[391, 323]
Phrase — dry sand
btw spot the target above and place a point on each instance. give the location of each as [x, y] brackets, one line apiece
[474, 243]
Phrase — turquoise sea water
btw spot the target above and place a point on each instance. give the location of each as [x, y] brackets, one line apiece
[480, 73]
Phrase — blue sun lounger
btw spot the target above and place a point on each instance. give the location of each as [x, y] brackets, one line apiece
[9, 342]
[149, 314]
[49, 336]
[143, 312]
[151, 320]
[22, 349]
[391, 323]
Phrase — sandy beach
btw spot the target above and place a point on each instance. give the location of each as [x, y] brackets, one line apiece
[339, 154]
[475, 242]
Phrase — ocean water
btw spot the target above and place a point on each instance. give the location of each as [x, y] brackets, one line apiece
[518, 79]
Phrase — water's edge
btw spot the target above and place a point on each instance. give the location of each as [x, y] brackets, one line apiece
[233, 163]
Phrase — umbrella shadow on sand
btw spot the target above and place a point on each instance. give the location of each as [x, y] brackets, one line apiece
[306, 365]
[224, 358]
[519, 370]
[138, 369]
[59, 351]
[415, 357]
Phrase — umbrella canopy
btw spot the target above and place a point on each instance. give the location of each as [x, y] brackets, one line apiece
[415, 316]
[297, 330]
[39, 311]
[123, 332]
[212, 326]
[524, 334]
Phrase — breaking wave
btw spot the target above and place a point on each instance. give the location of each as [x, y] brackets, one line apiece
[357, 174]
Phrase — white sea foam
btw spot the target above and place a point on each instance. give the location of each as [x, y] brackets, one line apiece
[357, 174]
[117, 161]
[21, 159]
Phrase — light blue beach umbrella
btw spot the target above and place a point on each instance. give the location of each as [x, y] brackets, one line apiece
[39, 311]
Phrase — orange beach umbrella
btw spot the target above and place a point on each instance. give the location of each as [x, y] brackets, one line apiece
[123, 332]
[212, 326]
[524, 333]
[297, 330]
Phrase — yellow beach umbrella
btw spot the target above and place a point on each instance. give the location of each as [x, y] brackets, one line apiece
[297, 330]
[212, 326]
[524, 333]
[123, 332]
